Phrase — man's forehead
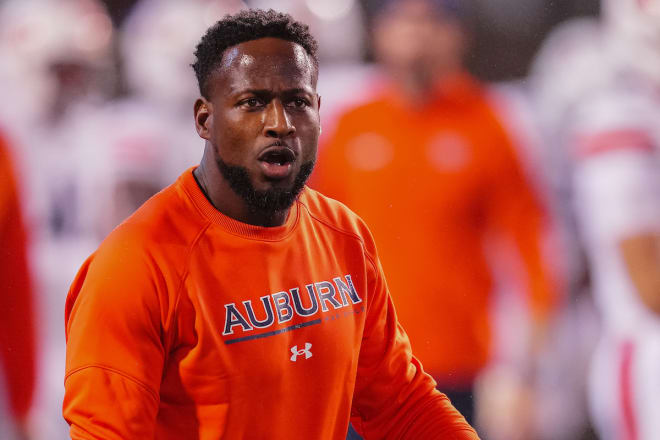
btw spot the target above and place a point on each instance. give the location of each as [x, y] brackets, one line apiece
[257, 63]
[266, 52]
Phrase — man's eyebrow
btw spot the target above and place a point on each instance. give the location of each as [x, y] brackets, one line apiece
[298, 90]
[240, 91]
[269, 92]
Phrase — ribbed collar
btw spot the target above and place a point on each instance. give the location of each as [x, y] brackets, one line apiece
[275, 233]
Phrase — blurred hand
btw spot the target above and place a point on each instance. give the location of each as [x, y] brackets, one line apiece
[504, 404]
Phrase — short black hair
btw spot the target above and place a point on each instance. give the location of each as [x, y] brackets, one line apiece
[247, 25]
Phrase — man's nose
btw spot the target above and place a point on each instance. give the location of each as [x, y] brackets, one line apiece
[277, 124]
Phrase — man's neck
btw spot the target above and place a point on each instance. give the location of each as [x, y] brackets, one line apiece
[419, 85]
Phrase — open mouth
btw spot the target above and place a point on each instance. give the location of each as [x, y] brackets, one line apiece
[278, 156]
[277, 162]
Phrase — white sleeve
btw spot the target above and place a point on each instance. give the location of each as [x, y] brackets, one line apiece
[616, 194]
[615, 166]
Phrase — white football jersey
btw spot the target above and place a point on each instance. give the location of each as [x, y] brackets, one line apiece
[613, 138]
[601, 123]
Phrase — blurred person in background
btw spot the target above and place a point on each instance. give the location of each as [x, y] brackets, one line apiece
[17, 326]
[56, 58]
[55, 70]
[430, 166]
[565, 70]
[607, 132]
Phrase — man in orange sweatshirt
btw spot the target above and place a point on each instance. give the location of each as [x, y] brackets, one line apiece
[428, 165]
[238, 303]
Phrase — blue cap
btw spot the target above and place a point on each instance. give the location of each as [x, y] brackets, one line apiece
[454, 8]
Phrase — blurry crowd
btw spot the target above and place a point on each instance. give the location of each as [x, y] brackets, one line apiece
[518, 221]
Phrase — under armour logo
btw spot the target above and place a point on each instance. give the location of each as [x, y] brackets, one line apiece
[295, 352]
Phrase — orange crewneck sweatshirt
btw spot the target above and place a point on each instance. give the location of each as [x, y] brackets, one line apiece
[187, 324]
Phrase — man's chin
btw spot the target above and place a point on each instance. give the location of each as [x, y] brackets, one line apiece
[265, 183]
[272, 200]
[271, 195]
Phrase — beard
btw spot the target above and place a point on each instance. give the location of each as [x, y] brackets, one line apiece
[266, 202]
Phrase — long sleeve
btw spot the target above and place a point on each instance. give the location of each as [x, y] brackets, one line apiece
[17, 326]
[394, 397]
[515, 212]
[115, 349]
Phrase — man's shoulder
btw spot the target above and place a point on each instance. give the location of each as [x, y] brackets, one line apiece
[624, 101]
[372, 108]
[168, 220]
[146, 256]
[620, 117]
[326, 208]
[334, 214]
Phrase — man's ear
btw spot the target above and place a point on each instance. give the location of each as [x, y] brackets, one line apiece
[203, 118]
[318, 108]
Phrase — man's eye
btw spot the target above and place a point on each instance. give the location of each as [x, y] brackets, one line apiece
[299, 103]
[251, 102]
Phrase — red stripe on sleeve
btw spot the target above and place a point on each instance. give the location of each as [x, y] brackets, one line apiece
[627, 405]
[616, 140]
